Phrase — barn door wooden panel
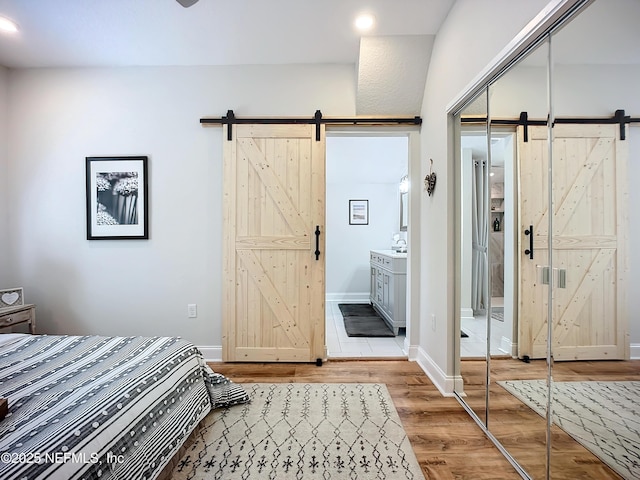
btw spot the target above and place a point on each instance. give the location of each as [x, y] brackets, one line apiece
[532, 293]
[589, 243]
[273, 303]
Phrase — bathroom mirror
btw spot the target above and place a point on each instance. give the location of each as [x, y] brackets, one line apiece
[404, 209]
[564, 142]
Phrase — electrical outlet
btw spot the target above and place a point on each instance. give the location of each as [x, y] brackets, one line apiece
[192, 310]
[433, 322]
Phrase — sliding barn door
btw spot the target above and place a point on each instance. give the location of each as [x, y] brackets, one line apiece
[590, 238]
[274, 188]
[533, 295]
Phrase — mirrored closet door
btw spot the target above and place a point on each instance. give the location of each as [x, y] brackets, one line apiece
[559, 271]
[594, 406]
[519, 109]
[474, 273]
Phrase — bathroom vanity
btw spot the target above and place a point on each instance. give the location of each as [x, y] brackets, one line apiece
[389, 287]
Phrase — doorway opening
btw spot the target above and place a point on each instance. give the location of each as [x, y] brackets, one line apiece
[489, 244]
[364, 172]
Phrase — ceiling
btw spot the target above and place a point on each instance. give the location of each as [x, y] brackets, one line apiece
[80, 33]
[390, 63]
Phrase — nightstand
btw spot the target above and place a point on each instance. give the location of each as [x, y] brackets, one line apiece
[17, 315]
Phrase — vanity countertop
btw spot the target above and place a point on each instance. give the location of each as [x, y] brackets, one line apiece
[391, 253]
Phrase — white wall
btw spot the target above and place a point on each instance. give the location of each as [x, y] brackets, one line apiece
[4, 234]
[347, 268]
[474, 32]
[57, 117]
[365, 168]
[579, 91]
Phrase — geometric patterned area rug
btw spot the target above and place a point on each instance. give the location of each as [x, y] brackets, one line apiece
[603, 416]
[303, 431]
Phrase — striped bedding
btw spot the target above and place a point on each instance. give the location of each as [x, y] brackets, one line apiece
[89, 407]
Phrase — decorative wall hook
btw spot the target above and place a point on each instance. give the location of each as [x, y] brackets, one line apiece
[430, 180]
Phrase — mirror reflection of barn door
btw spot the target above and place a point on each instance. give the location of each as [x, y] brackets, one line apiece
[589, 243]
[273, 204]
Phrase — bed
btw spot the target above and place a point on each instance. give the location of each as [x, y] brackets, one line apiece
[89, 407]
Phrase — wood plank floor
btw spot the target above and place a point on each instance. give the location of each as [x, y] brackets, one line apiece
[522, 431]
[447, 442]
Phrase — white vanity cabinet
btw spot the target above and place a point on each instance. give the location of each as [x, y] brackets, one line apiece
[389, 287]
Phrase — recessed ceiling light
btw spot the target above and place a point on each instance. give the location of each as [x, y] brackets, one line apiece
[7, 25]
[365, 22]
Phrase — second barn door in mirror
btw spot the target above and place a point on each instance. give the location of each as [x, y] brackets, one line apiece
[590, 163]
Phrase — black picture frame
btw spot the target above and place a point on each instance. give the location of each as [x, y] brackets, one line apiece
[358, 212]
[117, 198]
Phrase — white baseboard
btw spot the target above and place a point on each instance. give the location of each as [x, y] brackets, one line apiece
[635, 351]
[466, 313]
[445, 383]
[358, 297]
[211, 353]
[508, 347]
[408, 349]
[411, 351]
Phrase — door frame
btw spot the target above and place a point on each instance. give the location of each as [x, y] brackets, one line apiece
[510, 256]
[413, 234]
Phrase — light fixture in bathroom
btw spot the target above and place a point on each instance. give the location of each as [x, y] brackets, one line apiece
[404, 184]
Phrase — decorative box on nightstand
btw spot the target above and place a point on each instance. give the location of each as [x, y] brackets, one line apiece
[10, 316]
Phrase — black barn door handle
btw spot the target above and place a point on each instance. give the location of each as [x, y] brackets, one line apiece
[529, 251]
[317, 252]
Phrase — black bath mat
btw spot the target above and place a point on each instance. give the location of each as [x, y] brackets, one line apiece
[361, 320]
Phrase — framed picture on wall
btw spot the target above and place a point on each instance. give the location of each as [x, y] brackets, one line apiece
[117, 198]
[358, 212]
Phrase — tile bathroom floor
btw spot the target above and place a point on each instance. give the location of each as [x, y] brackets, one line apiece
[339, 345]
[475, 345]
